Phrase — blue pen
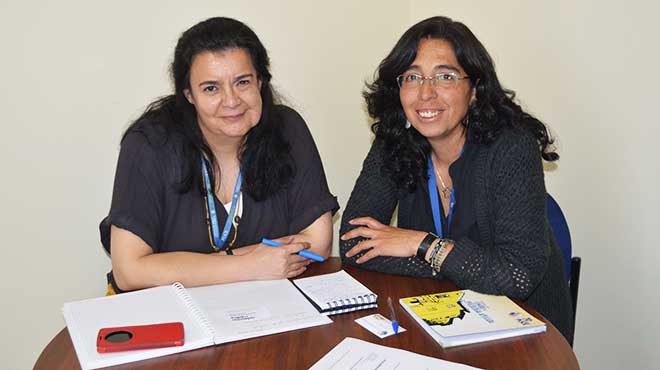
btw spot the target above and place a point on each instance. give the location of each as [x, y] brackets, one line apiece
[395, 324]
[302, 253]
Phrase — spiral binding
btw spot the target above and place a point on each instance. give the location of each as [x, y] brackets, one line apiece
[198, 314]
[356, 303]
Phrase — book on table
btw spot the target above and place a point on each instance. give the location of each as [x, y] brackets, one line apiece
[336, 293]
[210, 315]
[464, 317]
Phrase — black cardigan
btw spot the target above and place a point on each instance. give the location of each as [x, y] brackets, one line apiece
[516, 255]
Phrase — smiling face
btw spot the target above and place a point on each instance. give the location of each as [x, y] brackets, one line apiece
[226, 94]
[436, 111]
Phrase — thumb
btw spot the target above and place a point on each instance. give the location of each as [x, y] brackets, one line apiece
[286, 240]
[297, 247]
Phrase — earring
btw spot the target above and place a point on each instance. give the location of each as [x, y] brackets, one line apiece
[408, 125]
[466, 120]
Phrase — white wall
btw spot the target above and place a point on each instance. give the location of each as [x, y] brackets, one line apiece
[589, 70]
[74, 73]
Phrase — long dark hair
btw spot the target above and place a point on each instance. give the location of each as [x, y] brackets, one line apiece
[265, 154]
[406, 151]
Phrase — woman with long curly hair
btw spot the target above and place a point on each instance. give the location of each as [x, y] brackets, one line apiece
[207, 172]
[463, 163]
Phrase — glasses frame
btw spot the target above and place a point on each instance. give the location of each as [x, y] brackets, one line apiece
[433, 80]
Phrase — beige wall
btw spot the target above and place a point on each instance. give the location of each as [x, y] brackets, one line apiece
[589, 70]
[74, 74]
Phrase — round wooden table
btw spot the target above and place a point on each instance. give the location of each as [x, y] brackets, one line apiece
[300, 349]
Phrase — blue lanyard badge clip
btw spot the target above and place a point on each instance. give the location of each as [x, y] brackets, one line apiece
[435, 202]
[220, 240]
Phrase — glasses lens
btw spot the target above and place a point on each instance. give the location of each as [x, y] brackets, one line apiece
[409, 80]
[447, 80]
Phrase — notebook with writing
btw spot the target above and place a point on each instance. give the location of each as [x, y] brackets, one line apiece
[337, 293]
[211, 315]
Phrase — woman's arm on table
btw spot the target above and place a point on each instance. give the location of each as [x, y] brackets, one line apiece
[135, 266]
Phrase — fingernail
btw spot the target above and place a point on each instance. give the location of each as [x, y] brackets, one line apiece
[350, 222]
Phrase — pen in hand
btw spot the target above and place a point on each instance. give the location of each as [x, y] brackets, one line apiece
[395, 323]
[303, 253]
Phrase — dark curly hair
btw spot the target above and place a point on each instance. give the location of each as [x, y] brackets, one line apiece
[406, 151]
[265, 157]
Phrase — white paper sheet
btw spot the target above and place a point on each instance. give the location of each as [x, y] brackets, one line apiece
[357, 354]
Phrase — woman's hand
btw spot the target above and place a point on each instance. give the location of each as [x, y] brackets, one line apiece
[278, 262]
[383, 240]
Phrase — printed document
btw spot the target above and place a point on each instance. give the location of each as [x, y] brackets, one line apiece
[357, 354]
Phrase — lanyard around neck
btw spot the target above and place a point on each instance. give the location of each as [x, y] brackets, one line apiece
[220, 240]
[435, 201]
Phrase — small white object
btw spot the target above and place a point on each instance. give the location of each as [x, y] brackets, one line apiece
[378, 324]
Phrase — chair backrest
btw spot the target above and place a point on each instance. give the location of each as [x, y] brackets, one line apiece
[561, 231]
[572, 264]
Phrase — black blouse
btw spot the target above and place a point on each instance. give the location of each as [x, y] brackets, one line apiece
[146, 202]
[512, 251]
[463, 221]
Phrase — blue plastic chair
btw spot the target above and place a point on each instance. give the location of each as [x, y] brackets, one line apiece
[563, 237]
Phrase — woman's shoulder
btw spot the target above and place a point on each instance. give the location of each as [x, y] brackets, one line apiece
[514, 139]
[513, 150]
[152, 134]
[294, 128]
[152, 142]
[290, 118]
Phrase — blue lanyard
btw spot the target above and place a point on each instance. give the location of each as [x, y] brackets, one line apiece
[218, 240]
[435, 202]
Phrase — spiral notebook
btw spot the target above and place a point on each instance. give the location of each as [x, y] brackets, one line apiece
[211, 315]
[337, 293]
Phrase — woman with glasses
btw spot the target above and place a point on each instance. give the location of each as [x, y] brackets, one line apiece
[207, 172]
[463, 163]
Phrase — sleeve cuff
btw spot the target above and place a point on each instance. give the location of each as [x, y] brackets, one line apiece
[313, 213]
[126, 223]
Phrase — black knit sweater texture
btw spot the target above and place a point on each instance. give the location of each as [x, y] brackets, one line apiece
[517, 254]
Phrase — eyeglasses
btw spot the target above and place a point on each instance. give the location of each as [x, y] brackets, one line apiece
[447, 80]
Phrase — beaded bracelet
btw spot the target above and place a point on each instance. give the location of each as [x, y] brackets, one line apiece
[425, 245]
[439, 256]
[436, 248]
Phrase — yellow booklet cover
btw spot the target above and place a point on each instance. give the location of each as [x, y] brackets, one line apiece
[464, 317]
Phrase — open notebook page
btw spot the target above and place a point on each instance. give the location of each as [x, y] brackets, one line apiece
[149, 306]
[250, 309]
